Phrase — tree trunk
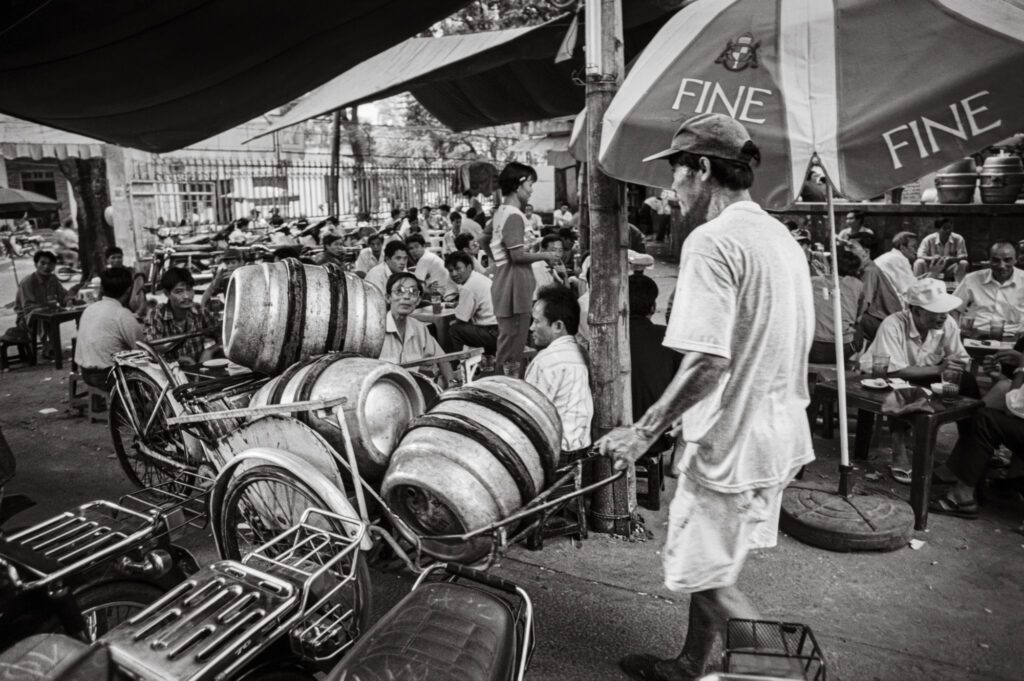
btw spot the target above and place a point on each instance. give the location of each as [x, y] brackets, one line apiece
[360, 142]
[88, 180]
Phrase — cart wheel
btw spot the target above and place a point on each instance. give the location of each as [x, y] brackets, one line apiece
[106, 605]
[147, 458]
[262, 502]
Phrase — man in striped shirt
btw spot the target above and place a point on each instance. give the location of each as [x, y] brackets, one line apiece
[560, 369]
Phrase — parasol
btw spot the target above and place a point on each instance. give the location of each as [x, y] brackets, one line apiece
[878, 93]
[17, 202]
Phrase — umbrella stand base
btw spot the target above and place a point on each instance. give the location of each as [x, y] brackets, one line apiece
[842, 523]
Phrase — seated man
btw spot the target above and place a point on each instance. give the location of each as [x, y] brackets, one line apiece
[180, 315]
[942, 246]
[427, 266]
[560, 369]
[996, 293]
[999, 422]
[854, 221]
[467, 243]
[407, 339]
[475, 325]
[545, 273]
[40, 289]
[851, 291]
[454, 230]
[113, 257]
[654, 365]
[534, 223]
[334, 247]
[106, 328]
[371, 256]
[920, 343]
[880, 296]
[395, 258]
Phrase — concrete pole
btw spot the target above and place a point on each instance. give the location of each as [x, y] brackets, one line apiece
[332, 190]
[609, 343]
[119, 174]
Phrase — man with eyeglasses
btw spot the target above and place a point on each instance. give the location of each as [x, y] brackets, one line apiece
[407, 339]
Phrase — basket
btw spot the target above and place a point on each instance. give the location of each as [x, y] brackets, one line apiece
[776, 650]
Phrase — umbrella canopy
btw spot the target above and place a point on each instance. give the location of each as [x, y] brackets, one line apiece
[883, 92]
[17, 202]
[161, 75]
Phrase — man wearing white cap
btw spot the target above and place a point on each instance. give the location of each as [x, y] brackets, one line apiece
[920, 342]
[744, 326]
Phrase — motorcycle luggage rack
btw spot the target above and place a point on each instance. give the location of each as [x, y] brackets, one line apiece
[214, 623]
[182, 501]
[79, 539]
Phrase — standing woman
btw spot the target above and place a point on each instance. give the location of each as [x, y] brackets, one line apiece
[512, 290]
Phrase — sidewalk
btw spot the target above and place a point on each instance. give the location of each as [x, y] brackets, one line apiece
[949, 611]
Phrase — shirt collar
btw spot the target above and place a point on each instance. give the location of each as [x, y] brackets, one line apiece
[389, 323]
[989, 279]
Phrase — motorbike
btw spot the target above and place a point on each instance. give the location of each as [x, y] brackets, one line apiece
[285, 612]
[17, 244]
[86, 570]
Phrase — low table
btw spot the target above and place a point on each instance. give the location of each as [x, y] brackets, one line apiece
[51, 319]
[868, 402]
[441, 321]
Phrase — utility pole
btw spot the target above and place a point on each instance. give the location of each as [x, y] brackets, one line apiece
[609, 343]
[335, 172]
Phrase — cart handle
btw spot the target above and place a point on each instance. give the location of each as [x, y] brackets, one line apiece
[246, 412]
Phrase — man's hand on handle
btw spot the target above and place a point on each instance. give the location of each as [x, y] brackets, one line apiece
[624, 445]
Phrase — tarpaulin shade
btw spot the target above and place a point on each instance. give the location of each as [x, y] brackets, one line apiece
[15, 202]
[159, 76]
[475, 80]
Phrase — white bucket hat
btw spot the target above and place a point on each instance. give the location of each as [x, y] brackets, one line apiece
[931, 295]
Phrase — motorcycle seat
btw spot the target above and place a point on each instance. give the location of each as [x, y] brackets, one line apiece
[42, 657]
[440, 631]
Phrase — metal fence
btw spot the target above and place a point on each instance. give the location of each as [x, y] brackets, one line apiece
[216, 191]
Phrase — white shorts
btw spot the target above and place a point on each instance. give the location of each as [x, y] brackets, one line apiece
[710, 534]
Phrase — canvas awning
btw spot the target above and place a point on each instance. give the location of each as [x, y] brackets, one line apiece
[159, 76]
[480, 79]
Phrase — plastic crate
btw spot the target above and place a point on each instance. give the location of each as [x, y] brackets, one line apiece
[777, 650]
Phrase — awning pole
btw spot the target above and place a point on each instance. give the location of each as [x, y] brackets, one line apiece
[837, 322]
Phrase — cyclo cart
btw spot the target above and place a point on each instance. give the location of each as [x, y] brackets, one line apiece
[270, 465]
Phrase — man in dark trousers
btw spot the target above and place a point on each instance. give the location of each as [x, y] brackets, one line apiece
[744, 326]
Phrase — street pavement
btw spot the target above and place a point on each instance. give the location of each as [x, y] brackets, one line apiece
[950, 610]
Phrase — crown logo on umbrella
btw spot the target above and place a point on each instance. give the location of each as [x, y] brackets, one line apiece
[740, 53]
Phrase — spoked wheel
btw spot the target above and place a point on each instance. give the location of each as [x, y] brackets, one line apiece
[149, 451]
[264, 501]
[107, 605]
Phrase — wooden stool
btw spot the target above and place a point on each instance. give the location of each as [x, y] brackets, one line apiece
[651, 469]
[24, 354]
[78, 393]
[97, 407]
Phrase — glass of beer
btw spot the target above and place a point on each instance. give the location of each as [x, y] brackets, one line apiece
[950, 384]
[879, 366]
[995, 329]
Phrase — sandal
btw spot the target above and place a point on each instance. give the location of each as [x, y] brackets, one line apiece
[946, 505]
[900, 475]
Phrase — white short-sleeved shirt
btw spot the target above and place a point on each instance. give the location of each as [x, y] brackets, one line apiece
[106, 327]
[367, 261]
[734, 300]
[418, 343]
[985, 299]
[475, 304]
[379, 275]
[932, 247]
[560, 371]
[430, 268]
[899, 338]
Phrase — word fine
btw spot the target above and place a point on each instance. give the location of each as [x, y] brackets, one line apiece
[923, 130]
[743, 106]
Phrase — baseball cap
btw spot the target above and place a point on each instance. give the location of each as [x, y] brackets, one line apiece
[711, 134]
[931, 295]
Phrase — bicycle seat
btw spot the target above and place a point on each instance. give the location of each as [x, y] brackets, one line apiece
[44, 657]
[440, 631]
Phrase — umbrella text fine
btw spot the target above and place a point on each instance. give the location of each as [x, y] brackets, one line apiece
[914, 128]
[711, 93]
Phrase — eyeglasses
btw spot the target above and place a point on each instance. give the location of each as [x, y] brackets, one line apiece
[410, 291]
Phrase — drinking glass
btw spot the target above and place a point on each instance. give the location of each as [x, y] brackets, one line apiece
[966, 326]
[511, 369]
[950, 384]
[995, 329]
[879, 366]
[435, 303]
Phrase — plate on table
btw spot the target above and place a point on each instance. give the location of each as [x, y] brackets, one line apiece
[874, 383]
[987, 344]
[216, 363]
[936, 388]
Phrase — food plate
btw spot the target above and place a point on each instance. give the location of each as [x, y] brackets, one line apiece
[216, 363]
[874, 383]
[988, 344]
[897, 383]
[937, 388]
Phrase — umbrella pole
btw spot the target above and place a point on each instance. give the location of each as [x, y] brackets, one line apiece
[845, 469]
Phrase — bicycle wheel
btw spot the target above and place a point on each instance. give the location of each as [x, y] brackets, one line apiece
[106, 605]
[264, 501]
[150, 453]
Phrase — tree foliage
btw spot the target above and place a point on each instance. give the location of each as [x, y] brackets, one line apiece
[492, 15]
